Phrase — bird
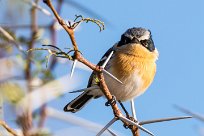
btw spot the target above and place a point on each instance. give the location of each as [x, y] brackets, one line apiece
[133, 62]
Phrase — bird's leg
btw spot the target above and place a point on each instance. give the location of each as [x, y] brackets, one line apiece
[123, 107]
[111, 102]
[133, 109]
[127, 115]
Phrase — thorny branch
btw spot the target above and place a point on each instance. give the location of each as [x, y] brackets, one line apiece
[80, 58]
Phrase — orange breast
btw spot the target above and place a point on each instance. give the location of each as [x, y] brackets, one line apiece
[135, 58]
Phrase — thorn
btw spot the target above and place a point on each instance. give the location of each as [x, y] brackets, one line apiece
[163, 119]
[110, 75]
[106, 61]
[49, 51]
[85, 89]
[106, 126]
[111, 132]
[135, 124]
[73, 67]
[133, 109]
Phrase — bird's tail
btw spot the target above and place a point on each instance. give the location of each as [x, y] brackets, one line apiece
[78, 103]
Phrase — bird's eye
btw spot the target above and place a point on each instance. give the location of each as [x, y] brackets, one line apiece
[144, 43]
[149, 44]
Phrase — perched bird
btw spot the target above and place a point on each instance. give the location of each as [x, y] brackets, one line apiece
[133, 63]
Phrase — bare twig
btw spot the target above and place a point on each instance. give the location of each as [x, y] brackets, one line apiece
[10, 130]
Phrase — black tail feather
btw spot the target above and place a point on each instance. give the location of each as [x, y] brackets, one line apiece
[78, 103]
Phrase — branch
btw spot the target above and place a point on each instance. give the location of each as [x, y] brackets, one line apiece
[81, 59]
[97, 69]
[10, 130]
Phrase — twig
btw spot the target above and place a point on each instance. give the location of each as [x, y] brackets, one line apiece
[78, 56]
[12, 40]
[10, 130]
[82, 19]
[34, 5]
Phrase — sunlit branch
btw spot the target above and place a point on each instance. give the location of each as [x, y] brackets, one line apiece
[10, 130]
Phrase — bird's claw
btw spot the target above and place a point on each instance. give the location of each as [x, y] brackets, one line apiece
[111, 102]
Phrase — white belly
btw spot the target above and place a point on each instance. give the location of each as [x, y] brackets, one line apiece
[130, 88]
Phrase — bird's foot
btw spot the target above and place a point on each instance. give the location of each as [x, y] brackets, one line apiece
[111, 102]
[126, 125]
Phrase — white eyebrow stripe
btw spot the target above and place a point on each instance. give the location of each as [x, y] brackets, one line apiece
[145, 36]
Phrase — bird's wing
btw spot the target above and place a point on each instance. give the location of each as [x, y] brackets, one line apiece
[100, 63]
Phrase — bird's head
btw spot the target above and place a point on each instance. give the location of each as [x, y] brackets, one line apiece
[137, 35]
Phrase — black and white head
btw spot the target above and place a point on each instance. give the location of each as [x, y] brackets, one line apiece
[138, 35]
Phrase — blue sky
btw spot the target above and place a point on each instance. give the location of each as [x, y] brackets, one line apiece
[178, 33]
[177, 29]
